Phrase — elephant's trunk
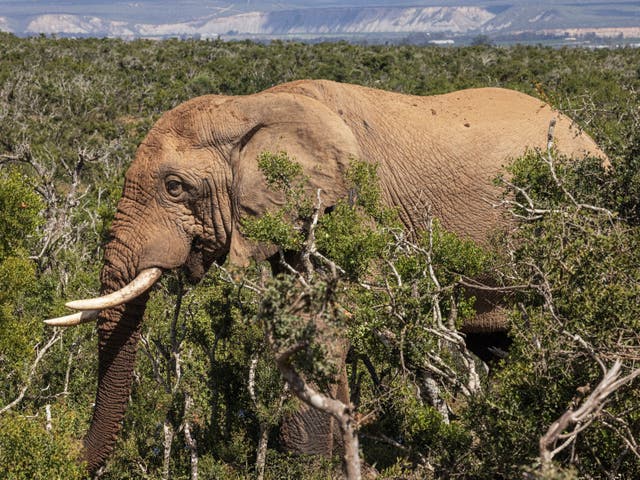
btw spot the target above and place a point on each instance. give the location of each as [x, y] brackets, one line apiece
[119, 333]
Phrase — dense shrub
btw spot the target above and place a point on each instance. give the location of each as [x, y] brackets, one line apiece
[72, 113]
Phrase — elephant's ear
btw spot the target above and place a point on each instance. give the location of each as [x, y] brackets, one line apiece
[311, 134]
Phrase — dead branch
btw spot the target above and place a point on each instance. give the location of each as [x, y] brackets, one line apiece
[382, 438]
[243, 283]
[263, 437]
[168, 433]
[432, 365]
[55, 336]
[623, 430]
[189, 438]
[550, 163]
[154, 363]
[580, 418]
[47, 409]
[589, 348]
[309, 246]
[474, 284]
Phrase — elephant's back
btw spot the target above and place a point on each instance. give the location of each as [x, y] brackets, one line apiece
[441, 153]
[482, 116]
[509, 119]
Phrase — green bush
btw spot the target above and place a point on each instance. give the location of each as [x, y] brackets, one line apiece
[72, 115]
[579, 260]
[29, 452]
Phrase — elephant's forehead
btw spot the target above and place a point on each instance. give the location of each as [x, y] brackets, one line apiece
[142, 171]
[160, 153]
[151, 154]
[161, 146]
[189, 119]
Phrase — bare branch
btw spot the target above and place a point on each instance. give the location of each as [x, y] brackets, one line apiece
[550, 163]
[584, 415]
[55, 336]
[622, 429]
[189, 438]
[382, 438]
[577, 338]
[309, 246]
[264, 425]
[290, 269]
[168, 434]
[473, 283]
[47, 409]
[244, 282]
[154, 363]
[253, 364]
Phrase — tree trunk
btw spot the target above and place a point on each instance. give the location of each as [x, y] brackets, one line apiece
[189, 438]
[168, 441]
[263, 443]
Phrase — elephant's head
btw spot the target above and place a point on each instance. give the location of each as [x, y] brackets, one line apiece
[194, 177]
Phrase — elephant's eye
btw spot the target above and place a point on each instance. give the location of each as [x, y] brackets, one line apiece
[174, 186]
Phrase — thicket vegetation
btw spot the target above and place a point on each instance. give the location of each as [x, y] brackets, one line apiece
[207, 392]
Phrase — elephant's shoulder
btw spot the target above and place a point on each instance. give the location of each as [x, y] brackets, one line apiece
[326, 91]
[316, 89]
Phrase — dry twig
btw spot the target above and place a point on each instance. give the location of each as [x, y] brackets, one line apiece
[40, 353]
[581, 417]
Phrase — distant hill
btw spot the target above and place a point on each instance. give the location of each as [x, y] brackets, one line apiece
[323, 18]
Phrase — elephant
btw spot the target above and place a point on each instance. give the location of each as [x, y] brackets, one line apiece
[195, 176]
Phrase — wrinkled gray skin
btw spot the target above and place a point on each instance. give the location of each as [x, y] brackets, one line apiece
[195, 176]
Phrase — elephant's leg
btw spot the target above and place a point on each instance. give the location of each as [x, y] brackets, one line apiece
[310, 431]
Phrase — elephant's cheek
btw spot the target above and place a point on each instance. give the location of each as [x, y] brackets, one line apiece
[164, 250]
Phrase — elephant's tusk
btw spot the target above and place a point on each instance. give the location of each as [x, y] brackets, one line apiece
[141, 283]
[73, 319]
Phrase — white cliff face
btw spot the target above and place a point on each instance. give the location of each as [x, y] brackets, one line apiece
[384, 20]
[334, 20]
[5, 25]
[77, 25]
[250, 23]
[308, 21]
[280, 18]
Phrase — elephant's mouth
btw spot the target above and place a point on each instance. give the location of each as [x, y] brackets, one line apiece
[200, 259]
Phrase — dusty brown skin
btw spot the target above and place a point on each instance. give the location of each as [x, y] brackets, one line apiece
[195, 176]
